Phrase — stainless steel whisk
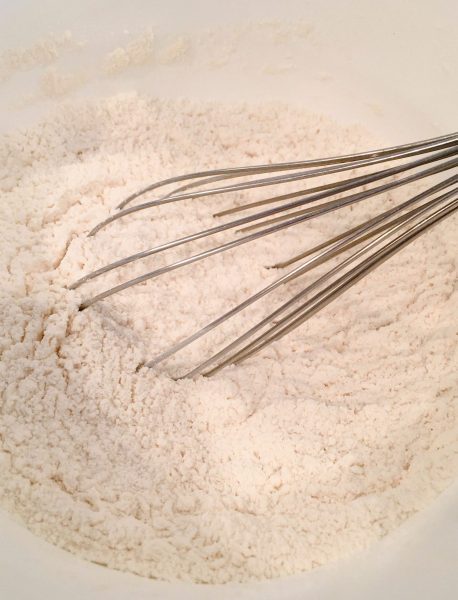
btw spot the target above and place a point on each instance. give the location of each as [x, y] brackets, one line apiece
[385, 234]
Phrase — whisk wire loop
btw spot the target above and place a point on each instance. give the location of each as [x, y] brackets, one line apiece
[377, 239]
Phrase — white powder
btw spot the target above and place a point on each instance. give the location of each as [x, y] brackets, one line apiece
[149, 49]
[138, 52]
[54, 84]
[44, 51]
[175, 51]
[309, 451]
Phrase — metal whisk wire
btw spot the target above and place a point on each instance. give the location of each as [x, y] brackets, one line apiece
[394, 228]
[323, 298]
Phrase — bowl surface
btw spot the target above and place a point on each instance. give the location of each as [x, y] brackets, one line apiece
[381, 65]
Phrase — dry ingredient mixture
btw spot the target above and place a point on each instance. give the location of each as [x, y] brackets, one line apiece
[307, 452]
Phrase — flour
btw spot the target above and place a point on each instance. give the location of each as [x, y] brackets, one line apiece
[138, 52]
[44, 51]
[54, 84]
[45, 66]
[175, 51]
[309, 451]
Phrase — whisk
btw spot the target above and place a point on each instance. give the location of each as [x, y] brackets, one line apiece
[376, 239]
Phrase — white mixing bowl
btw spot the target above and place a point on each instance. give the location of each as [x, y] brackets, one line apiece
[390, 66]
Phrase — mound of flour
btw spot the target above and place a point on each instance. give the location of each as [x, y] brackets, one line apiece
[307, 452]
